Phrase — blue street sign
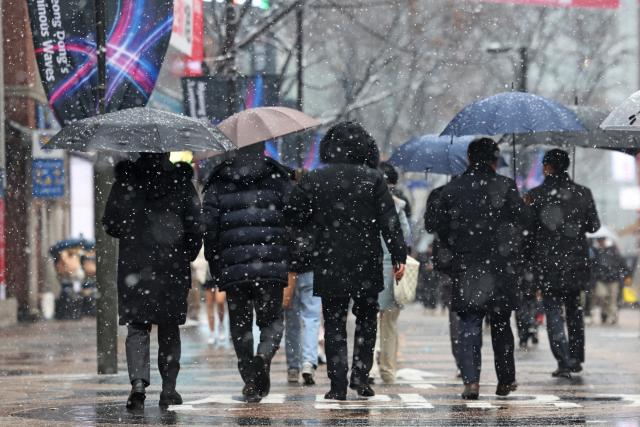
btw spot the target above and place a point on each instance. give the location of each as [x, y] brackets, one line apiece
[48, 178]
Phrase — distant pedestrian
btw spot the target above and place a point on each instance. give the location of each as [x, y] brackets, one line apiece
[349, 204]
[247, 246]
[154, 211]
[480, 221]
[389, 308]
[564, 212]
[609, 271]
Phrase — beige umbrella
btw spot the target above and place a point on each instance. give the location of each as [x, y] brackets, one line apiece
[262, 124]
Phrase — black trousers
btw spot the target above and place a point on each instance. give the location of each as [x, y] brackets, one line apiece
[566, 351]
[526, 316]
[139, 357]
[335, 310]
[266, 299]
[470, 346]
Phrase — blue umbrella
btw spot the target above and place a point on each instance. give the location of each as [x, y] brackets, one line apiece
[513, 113]
[433, 154]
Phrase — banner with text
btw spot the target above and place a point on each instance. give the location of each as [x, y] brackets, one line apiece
[138, 33]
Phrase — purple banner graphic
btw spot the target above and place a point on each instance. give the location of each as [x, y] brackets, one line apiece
[138, 33]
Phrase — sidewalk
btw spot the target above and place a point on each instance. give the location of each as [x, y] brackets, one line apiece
[47, 377]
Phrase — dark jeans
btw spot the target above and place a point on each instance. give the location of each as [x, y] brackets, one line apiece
[526, 316]
[470, 346]
[566, 351]
[335, 310]
[266, 299]
[138, 353]
[454, 332]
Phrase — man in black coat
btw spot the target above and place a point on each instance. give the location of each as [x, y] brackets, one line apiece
[247, 246]
[564, 213]
[154, 211]
[480, 220]
[349, 204]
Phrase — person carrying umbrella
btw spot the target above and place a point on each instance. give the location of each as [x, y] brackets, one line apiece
[480, 220]
[349, 204]
[564, 213]
[154, 211]
[247, 246]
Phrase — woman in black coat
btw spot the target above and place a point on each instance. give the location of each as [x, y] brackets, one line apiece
[349, 204]
[154, 211]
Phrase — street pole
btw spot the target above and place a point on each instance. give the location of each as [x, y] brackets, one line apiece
[107, 299]
[3, 284]
[300, 75]
[523, 68]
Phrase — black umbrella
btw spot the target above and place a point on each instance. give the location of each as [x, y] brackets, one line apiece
[143, 130]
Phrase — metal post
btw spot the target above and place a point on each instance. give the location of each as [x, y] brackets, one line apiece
[3, 285]
[300, 75]
[106, 249]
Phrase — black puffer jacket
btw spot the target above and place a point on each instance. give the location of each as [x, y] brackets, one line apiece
[246, 240]
[564, 213]
[156, 215]
[349, 205]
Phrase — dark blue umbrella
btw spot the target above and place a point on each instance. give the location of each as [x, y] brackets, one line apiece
[513, 113]
[433, 154]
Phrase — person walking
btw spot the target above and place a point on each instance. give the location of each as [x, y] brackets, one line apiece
[349, 204]
[247, 246]
[154, 211]
[389, 308]
[563, 213]
[610, 270]
[481, 219]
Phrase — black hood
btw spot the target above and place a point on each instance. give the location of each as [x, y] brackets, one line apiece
[349, 142]
[245, 168]
[168, 178]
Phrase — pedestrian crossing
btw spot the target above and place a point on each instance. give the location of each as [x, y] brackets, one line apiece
[399, 401]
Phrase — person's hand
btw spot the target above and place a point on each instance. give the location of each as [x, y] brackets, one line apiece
[398, 271]
[287, 297]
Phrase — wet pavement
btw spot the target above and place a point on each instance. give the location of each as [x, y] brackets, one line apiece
[47, 377]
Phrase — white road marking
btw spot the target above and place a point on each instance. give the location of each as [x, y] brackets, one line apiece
[481, 405]
[226, 399]
[414, 401]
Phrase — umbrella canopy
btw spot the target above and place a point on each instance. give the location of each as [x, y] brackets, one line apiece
[265, 123]
[513, 113]
[625, 117]
[593, 137]
[144, 130]
[433, 154]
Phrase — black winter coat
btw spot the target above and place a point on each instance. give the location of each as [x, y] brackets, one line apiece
[349, 205]
[608, 265]
[158, 224]
[246, 240]
[481, 220]
[564, 212]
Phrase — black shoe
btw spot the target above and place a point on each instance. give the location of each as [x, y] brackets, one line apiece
[135, 402]
[261, 369]
[562, 373]
[170, 397]
[251, 394]
[505, 389]
[363, 390]
[471, 391]
[336, 395]
[576, 367]
[524, 344]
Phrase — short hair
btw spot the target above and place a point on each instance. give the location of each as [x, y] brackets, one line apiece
[483, 150]
[389, 172]
[557, 159]
[349, 141]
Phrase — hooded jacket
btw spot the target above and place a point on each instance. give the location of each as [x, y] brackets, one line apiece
[348, 205]
[154, 211]
[246, 240]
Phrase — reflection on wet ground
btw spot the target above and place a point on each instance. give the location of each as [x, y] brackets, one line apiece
[47, 376]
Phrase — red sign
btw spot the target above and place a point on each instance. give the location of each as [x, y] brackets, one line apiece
[597, 4]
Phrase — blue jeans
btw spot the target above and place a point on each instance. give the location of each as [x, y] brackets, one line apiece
[470, 345]
[302, 324]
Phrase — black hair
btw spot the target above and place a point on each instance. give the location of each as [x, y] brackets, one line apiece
[349, 142]
[483, 150]
[389, 172]
[557, 159]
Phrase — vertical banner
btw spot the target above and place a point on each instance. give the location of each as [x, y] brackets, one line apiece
[188, 34]
[138, 33]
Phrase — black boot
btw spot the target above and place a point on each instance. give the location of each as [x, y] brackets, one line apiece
[262, 369]
[135, 402]
[362, 388]
[169, 396]
[250, 393]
